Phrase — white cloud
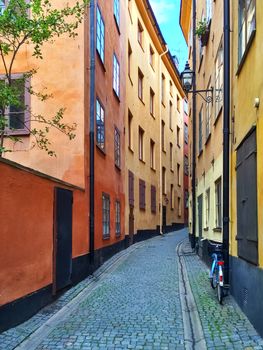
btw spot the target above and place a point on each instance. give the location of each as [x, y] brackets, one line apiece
[162, 9]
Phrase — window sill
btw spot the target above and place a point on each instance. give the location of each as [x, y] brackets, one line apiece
[163, 104]
[142, 209]
[152, 67]
[101, 62]
[130, 149]
[116, 95]
[178, 146]
[163, 150]
[141, 46]
[101, 150]
[118, 235]
[17, 133]
[153, 169]
[208, 138]
[141, 100]
[218, 115]
[206, 228]
[152, 115]
[117, 167]
[243, 59]
[143, 161]
[217, 229]
[172, 170]
[130, 79]
[117, 25]
[200, 153]
[105, 238]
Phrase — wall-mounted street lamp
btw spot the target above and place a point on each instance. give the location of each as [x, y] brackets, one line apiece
[187, 81]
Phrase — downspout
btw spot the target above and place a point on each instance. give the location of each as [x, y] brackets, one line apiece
[92, 127]
[226, 128]
[160, 112]
[193, 236]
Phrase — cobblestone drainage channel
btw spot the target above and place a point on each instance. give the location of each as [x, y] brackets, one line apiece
[193, 331]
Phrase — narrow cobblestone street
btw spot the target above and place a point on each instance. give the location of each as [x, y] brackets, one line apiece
[133, 302]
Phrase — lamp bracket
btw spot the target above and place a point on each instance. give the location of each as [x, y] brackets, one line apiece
[207, 99]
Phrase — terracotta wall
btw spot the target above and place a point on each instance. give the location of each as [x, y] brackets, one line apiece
[26, 216]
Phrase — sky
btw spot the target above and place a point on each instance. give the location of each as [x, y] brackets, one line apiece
[167, 13]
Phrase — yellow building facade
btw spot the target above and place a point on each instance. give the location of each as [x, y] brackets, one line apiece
[246, 241]
[154, 128]
[209, 115]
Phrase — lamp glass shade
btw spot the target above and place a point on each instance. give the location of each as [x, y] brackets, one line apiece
[187, 78]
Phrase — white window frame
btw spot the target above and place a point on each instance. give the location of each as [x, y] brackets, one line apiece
[116, 75]
[100, 35]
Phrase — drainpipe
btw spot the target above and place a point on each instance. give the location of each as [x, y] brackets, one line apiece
[160, 112]
[92, 127]
[226, 128]
[193, 236]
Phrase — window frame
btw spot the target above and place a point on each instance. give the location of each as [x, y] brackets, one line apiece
[142, 194]
[116, 12]
[117, 147]
[98, 143]
[27, 101]
[141, 144]
[218, 204]
[219, 80]
[140, 35]
[152, 154]
[152, 102]
[140, 84]
[117, 218]
[100, 35]
[116, 75]
[105, 215]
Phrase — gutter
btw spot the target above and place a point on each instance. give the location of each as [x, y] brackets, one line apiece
[92, 128]
[226, 133]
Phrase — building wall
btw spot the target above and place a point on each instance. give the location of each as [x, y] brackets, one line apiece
[109, 178]
[151, 124]
[68, 92]
[209, 157]
[247, 85]
[186, 156]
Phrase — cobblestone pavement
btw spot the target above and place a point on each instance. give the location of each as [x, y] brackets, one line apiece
[135, 304]
[224, 326]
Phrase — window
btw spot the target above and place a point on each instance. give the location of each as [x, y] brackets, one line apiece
[163, 126]
[140, 85]
[171, 157]
[186, 199]
[219, 75]
[129, 58]
[164, 180]
[17, 114]
[130, 8]
[117, 147]
[186, 166]
[200, 129]
[208, 117]
[178, 175]
[163, 88]
[100, 125]
[142, 194]
[116, 75]
[218, 203]
[117, 218]
[178, 136]
[208, 10]
[130, 117]
[131, 188]
[106, 215]
[171, 115]
[117, 11]
[178, 104]
[172, 197]
[152, 94]
[153, 199]
[179, 206]
[185, 133]
[171, 88]
[100, 34]
[140, 34]
[141, 146]
[246, 24]
[152, 57]
[152, 154]
[207, 207]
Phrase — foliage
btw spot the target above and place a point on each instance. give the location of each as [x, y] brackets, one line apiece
[201, 27]
[33, 22]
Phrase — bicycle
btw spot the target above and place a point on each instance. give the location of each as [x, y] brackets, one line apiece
[216, 274]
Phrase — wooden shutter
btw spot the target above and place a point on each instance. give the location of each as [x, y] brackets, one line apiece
[141, 194]
[247, 227]
[153, 199]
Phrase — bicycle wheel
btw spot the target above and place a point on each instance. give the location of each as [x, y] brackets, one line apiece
[220, 293]
[213, 280]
